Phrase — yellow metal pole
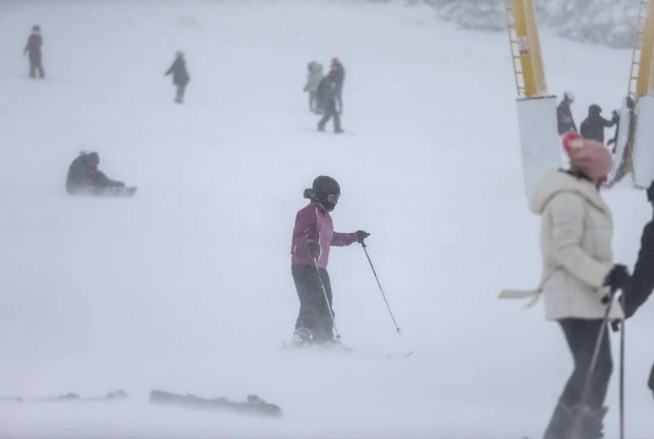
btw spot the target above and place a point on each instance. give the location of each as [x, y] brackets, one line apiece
[645, 83]
[529, 48]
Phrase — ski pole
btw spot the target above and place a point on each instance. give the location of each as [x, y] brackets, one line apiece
[324, 294]
[365, 249]
[622, 371]
[585, 393]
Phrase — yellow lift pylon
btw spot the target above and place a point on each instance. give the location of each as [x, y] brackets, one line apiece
[525, 48]
[641, 75]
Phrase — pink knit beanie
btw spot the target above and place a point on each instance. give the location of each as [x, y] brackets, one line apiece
[589, 157]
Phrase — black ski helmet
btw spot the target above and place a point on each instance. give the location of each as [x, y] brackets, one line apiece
[322, 188]
[650, 193]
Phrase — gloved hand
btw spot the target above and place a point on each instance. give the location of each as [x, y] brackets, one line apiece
[361, 235]
[312, 249]
[618, 278]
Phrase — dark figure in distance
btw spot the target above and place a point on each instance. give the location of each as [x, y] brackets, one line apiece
[180, 76]
[337, 71]
[33, 49]
[313, 235]
[327, 96]
[84, 178]
[593, 126]
[564, 117]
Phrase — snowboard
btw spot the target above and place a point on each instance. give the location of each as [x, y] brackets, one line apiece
[67, 397]
[109, 192]
[252, 406]
[342, 349]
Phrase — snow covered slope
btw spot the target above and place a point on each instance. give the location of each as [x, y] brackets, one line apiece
[187, 286]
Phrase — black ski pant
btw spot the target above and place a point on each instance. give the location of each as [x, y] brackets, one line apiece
[339, 98]
[581, 335]
[179, 94]
[35, 65]
[314, 312]
[329, 112]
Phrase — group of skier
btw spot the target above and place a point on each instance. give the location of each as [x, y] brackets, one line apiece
[579, 280]
[326, 92]
[178, 70]
[592, 127]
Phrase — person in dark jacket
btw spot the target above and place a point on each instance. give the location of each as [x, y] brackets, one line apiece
[593, 126]
[337, 71]
[564, 117]
[181, 77]
[642, 281]
[33, 49]
[313, 234]
[85, 178]
[327, 96]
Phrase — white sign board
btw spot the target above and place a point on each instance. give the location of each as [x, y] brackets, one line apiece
[643, 154]
[539, 138]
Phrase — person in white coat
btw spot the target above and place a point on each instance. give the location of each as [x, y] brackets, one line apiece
[314, 76]
[578, 272]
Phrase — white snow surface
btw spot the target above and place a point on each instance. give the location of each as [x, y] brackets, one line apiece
[187, 287]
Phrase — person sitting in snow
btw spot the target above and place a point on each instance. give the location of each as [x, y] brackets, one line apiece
[593, 126]
[85, 178]
[313, 234]
[313, 79]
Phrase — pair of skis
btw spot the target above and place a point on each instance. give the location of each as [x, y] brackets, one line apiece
[253, 405]
[67, 397]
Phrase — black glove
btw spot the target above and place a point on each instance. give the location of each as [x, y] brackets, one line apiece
[312, 249]
[361, 235]
[618, 278]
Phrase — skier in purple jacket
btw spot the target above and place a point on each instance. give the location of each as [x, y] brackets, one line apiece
[313, 235]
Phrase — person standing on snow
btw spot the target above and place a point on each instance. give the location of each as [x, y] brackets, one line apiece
[327, 102]
[564, 117]
[643, 277]
[313, 79]
[33, 48]
[313, 235]
[337, 71]
[181, 77]
[576, 233]
[593, 127]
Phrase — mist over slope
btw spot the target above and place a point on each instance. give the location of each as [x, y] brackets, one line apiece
[187, 286]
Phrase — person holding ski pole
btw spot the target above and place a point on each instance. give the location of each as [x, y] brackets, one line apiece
[578, 272]
[313, 235]
[643, 277]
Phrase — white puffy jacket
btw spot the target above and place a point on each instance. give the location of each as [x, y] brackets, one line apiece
[576, 233]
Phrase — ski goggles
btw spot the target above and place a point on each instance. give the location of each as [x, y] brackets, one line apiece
[333, 198]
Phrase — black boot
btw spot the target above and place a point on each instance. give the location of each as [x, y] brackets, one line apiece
[560, 425]
[590, 424]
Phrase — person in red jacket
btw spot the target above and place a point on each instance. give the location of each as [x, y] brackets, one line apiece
[313, 235]
[33, 48]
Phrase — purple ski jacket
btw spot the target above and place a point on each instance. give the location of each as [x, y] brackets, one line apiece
[314, 224]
